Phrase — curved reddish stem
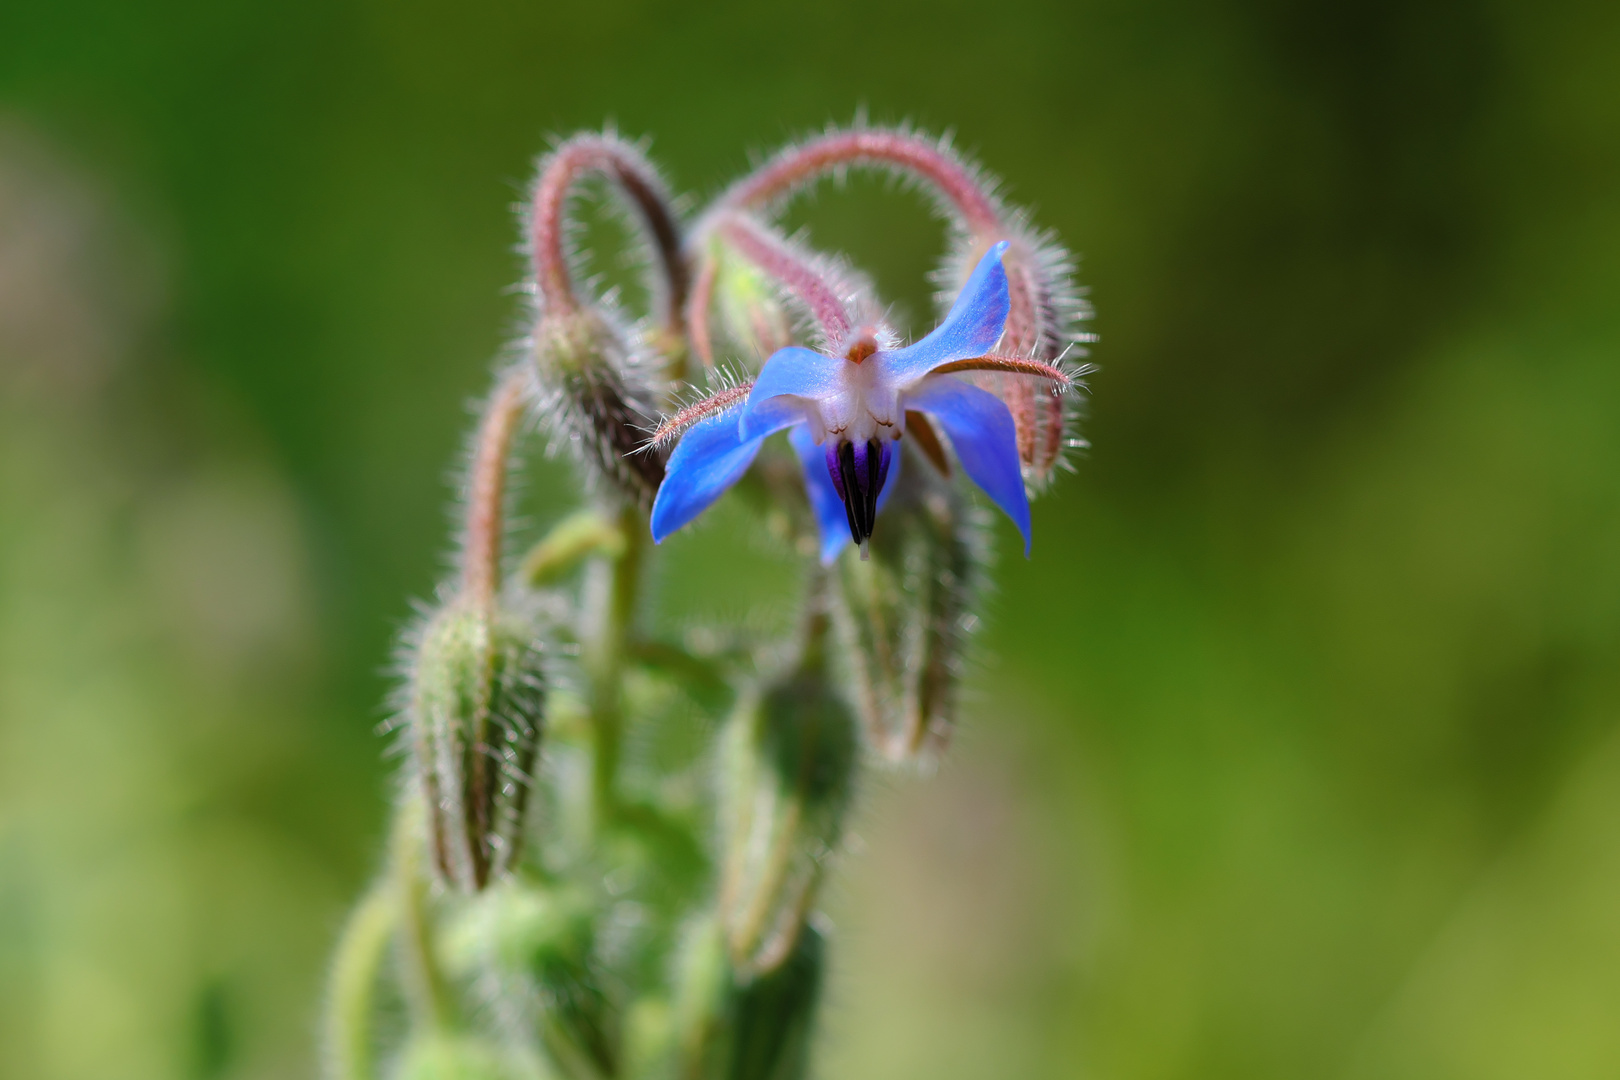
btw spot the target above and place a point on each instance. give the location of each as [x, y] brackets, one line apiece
[624, 165]
[697, 310]
[805, 162]
[486, 489]
[797, 273]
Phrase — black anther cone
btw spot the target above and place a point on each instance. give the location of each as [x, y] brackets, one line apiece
[860, 483]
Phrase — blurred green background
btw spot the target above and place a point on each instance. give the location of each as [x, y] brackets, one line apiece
[1295, 749]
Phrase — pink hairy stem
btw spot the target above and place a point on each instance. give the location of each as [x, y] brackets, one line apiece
[480, 579]
[486, 490]
[697, 310]
[797, 274]
[799, 165]
[575, 159]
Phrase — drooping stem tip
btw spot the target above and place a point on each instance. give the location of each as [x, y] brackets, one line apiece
[925, 158]
[486, 488]
[641, 185]
[796, 271]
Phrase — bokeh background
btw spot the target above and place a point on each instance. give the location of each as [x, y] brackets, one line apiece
[1294, 750]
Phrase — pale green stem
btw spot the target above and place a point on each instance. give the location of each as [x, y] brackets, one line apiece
[351, 1007]
[571, 541]
[610, 605]
[426, 993]
[751, 925]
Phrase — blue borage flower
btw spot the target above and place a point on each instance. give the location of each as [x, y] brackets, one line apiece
[847, 412]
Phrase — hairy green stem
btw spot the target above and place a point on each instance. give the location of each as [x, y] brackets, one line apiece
[571, 541]
[610, 603]
[351, 1007]
[426, 993]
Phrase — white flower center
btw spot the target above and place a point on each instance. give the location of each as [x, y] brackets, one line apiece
[865, 406]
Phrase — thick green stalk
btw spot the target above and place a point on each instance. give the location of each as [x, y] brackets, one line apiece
[579, 536]
[351, 1006]
[426, 993]
[610, 605]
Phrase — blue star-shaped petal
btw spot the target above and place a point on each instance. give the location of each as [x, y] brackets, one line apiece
[847, 412]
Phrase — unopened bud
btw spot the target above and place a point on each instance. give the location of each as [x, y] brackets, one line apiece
[748, 1029]
[906, 612]
[442, 1056]
[596, 397]
[774, 1016]
[751, 313]
[1043, 323]
[788, 765]
[476, 708]
[532, 946]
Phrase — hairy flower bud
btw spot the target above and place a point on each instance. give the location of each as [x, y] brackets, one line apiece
[753, 319]
[1043, 319]
[532, 944]
[476, 708]
[774, 1016]
[443, 1056]
[753, 1029]
[596, 398]
[905, 614]
[788, 763]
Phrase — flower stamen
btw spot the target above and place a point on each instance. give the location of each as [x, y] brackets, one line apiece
[858, 472]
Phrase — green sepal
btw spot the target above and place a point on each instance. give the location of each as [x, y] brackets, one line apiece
[477, 710]
[788, 762]
[905, 614]
[534, 944]
[759, 1028]
[752, 315]
[448, 1056]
